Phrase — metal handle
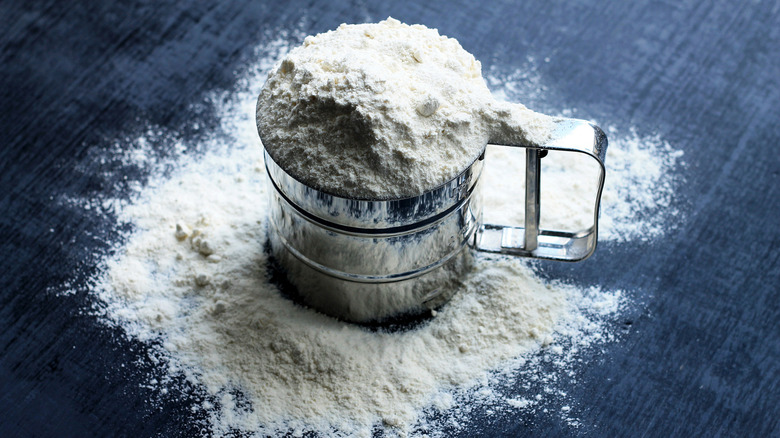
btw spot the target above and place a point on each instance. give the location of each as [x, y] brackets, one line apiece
[569, 135]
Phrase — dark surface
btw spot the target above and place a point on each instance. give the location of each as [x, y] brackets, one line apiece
[699, 357]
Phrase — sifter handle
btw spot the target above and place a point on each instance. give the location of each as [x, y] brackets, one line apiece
[569, 135]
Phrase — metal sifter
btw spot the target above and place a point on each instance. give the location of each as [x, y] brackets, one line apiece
[373, 260]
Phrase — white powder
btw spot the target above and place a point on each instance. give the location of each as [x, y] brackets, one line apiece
[384, 110]
[201, 291]
[301, 369]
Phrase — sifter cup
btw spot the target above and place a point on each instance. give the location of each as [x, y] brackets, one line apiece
[371, 260]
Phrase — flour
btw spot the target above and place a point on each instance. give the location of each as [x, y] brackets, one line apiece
[230, 328]
[192, 278]
[384, 110]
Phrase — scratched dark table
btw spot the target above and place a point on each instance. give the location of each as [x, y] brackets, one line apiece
[699, 357]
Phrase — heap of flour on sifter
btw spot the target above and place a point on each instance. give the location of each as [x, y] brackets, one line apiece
[384, 110]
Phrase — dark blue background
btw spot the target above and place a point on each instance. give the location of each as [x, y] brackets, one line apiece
[698, 357]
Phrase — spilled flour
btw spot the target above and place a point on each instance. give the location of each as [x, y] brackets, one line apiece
[202, 293]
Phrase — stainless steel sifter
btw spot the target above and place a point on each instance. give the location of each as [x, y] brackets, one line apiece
[372, 260]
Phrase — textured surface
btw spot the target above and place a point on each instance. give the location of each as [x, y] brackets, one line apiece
[699, 357]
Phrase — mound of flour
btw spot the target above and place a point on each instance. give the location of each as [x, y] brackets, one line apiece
[384, 110]
[194, 278]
